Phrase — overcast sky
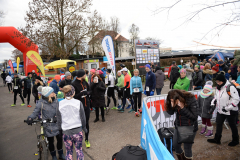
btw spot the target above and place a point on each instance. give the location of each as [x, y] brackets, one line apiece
[167, 26]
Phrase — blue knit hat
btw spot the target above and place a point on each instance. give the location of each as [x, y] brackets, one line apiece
[148, 65]
[46, 91]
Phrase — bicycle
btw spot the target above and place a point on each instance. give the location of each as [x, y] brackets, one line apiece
[42, 143]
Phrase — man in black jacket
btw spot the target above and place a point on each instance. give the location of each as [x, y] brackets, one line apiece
[4, 75]
[82, 93]
[198, 78]
[174, 75]
[27, 87]
[34, 76]
[66, 81]
[17, 89]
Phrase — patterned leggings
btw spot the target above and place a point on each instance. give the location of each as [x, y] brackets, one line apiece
[77, 140]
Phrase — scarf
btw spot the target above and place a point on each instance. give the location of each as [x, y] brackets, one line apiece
[220, 86]
[205, 95]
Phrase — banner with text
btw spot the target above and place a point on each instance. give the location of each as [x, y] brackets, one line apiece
[36, 59]
[18, 62]
[11, 65]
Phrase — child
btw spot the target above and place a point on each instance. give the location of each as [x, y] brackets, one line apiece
[204, 102]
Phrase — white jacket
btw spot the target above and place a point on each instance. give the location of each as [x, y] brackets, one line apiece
[69, 110]
[111, 79]
[9, 79]
[224, 100]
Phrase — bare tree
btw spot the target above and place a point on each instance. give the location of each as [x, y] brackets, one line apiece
[133, 32]
[58, 27]
[114, 25]
[2, 15]
[16, 53]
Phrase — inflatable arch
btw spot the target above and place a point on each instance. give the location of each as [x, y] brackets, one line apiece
[18, 40]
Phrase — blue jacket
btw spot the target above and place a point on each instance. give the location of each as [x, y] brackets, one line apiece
[136, 82]
[104, 71]
[238, 80]
[150, 81]
[54, 85]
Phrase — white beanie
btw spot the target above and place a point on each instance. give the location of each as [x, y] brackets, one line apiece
[46, 91]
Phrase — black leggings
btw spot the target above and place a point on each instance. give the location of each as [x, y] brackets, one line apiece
[172, 85]
[110, 93]
[178, 148]
[51, 142]
[97, 112]
[137, 98]
[18, 91]
[87, 115]
[9, 87]
[27, 93]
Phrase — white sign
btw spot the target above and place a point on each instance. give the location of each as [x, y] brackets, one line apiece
[150, 51]
[138, 51]
[156, 51]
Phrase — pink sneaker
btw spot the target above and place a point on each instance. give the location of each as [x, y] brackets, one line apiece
[210, 131]
[203, 129]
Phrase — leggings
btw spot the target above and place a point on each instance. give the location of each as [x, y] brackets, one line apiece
[27, 93]
[110, 93]
[75, 139]
[137, 98]
[126, 94]
[87, 115]
[178, 148]
[51, 142]
[16, 92]
[206, 121]
[97, 112]
[9, 87]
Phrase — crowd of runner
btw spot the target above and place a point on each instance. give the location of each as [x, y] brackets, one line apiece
[70, 97]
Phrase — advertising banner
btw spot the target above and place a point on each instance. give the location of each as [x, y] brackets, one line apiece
[18, 62]
[150, 140]
[108, 47]
[11, 65]
[36, 59]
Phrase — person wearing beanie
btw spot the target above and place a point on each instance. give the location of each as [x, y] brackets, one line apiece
[73, 127]
[110, 82]
[150, 83]
[27, 88]
[204, 106]
[90, 77]
[174, 75]
[160, 77]
[38, 82]
[17, 89]
[82, 93]
[62, 73]
[224, 67]
[48, 107]
[66, 81]
[227, 108]
[34, 75]
[54, 83]
[198, 78]
[183, 82]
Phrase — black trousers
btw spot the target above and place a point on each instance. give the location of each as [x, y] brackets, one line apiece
[27, 93]
[110, 93]
[172, 84]
[97, 112]
[231, 121]
[137, 98]
[87, 115]
[17, 91]
[51, 142]
[9, 87]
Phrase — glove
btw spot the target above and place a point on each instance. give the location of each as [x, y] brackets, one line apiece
[84, 92]
[215, 102]
[151, 93]
[211, 109]
[224, 110]
[145, 92]
[29, 121]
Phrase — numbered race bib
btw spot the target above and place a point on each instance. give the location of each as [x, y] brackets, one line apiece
[147, 89]
[136, 90]
[15, 87]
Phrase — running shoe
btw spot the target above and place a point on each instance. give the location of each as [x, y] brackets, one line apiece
[87, 144]
[29, 106]
[140, 111]
[22, 104]
[10, 92]
[115, 108]
[107, 110]
[129, 106]
[136, 114]
[120, 106]
[13, 105]
[121, 110]
[131, 111]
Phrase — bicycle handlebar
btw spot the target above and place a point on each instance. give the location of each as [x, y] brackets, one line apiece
[42, 121]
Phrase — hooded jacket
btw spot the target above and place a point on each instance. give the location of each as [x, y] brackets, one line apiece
[17, 82]
[204, 106]
[65, 82]
[150, 81]
[208, 75]
[230, 103]
[182, 84]
[136, 82]
[189, 72]
[174, 74]
[54, 85]
[9, 79]
[160, 77]
[198, 79]
[27, 82]
[120, 81]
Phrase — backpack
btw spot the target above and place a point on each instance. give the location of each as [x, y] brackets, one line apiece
[130, 153]
[166, 136]
[237, 86]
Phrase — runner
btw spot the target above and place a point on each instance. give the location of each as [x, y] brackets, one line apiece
[9, 83]
[126, 92]
[82, 93]
[27, 87]
[150, 81]
[4, 75]
[34, 75]
[120, 86]
[110, 92]
[17, 89]
[136, 90]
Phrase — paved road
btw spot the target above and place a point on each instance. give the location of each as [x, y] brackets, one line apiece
[18, 140]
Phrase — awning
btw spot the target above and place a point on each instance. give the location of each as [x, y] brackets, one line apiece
[59, 64]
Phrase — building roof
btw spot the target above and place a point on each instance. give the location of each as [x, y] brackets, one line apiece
[113, 34]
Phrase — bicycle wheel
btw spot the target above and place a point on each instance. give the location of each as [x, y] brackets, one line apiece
[43, 151]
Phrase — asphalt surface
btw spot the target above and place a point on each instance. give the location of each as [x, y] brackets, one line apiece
[18, 140]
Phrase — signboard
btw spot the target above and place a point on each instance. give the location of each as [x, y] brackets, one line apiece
[90, 61]
[147, 51]
[33, 58]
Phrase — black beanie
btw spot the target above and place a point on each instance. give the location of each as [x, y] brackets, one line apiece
[29, 73]
[39, 78]
[158, 68]
[221, 77]
[109, 70]
[80, 73]
[74, 73]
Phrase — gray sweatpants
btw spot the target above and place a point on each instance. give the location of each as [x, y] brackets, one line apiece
[178, 148]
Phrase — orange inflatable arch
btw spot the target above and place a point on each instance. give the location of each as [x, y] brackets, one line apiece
[18, 40]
